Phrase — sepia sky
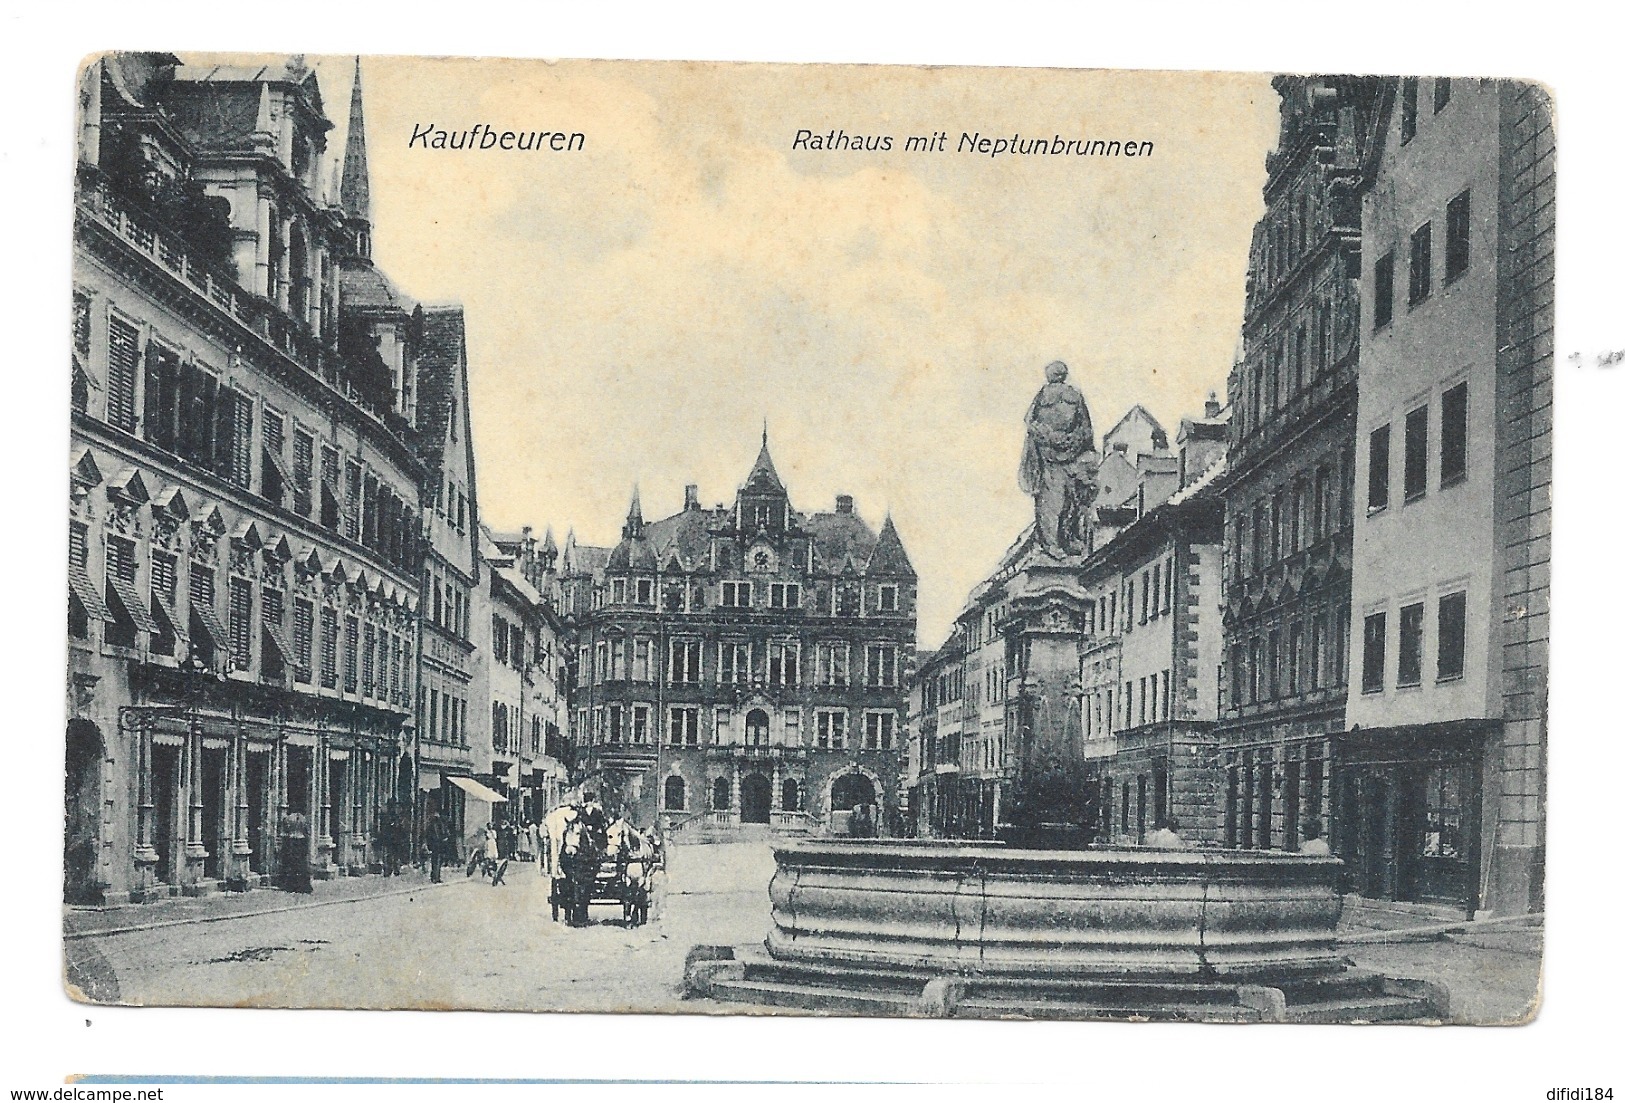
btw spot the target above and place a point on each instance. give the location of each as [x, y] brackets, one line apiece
[637, 309]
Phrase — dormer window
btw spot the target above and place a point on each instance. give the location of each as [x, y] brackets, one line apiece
[646, 591]
[617, 591]
[888, 599]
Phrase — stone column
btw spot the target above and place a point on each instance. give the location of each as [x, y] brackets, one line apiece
[196, 851]
[146, 855]
[321, 832]
[1049, 804]
[240, 873]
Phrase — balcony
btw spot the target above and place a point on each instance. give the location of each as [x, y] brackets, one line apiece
[756, 753]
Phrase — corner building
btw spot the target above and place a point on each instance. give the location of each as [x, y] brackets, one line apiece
[1441, 779]
[242, 604]
[745, 664]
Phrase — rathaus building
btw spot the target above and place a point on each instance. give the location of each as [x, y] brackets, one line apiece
[744, 664]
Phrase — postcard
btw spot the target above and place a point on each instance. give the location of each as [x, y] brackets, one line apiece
[739, 538]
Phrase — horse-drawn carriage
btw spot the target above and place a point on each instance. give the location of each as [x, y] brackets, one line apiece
[591, 864]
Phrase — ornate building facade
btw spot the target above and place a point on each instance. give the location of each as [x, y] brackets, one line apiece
[744, 664]
[243, 531]
[1289, 489]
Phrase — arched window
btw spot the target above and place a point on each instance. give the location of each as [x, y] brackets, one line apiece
[849, 791]
[676, 794]
[721, 794]
[791, 795]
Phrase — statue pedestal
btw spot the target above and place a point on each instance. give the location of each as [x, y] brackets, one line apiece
[1050, 800]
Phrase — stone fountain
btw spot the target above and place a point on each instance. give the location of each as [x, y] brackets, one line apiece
[1041, 924]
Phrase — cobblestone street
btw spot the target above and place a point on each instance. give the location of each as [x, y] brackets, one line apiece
[463, 945]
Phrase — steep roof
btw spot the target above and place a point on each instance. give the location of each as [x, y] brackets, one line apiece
[440, 365]
[1137, 412]
[889, 559]
[763, 475]
[689, 531]
[838, 537]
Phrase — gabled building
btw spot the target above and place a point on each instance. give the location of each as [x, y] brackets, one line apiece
[743, 664]
[244, 487]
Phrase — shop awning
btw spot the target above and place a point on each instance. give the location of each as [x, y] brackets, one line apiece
[428, 780]
[478, 791]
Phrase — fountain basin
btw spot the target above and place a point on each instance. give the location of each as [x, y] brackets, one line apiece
[990, 910]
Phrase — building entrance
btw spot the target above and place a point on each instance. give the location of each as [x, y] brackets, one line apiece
[256, 781]
[82, 827]
[755, 799]
[216, 832]
[166, 812]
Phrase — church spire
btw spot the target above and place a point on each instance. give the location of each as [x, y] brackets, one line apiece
[355, 187]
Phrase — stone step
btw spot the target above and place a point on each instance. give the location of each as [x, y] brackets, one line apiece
[993, 1008]
[812, 997]
[1363, 1009]
[1345, 985]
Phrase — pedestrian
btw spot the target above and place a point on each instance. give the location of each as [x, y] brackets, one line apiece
[1314, 843]
[1166, 836]
[435, 837]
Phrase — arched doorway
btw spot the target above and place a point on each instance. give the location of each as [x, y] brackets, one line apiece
[755, 799]
[756, 728]
[792, 795]
[849, 791]
[81, 832]
[721, 794]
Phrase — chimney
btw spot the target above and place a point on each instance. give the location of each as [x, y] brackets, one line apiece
[1211, 410]
[843, 503]
[691, 497]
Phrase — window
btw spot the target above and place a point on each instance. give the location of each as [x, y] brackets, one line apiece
[303, 630]
[784, 663]
[1421, 263]
[352, 498]
[329, 516]
[736, 595]
[164, 593]
[642, 660]
[617, 591]
[640, 723]
[1410, 645]
[1294, 659]
[242, 611]
[123, 352]
[684, 661]
[1317, 650]
[273, 472]
[831, 729]
[615, 717]
[878, 730]
[617, 660]
[1441, 93]
[676, 793]
[888, 599]
[733, 662]
[645, 591]
[881, 664]
[304, 462]
[1128, 607]
[1407, 109]
[685, 726]
[1375, 660]
[785, 595]
[1452, 635]
[1272, 663]
[161, 402]
[1457, 234]
[1383, 291]
[1377, 471]
[1453, 435]
[352, 648]
[833, 665]
[1416, 453]
[330, 647]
